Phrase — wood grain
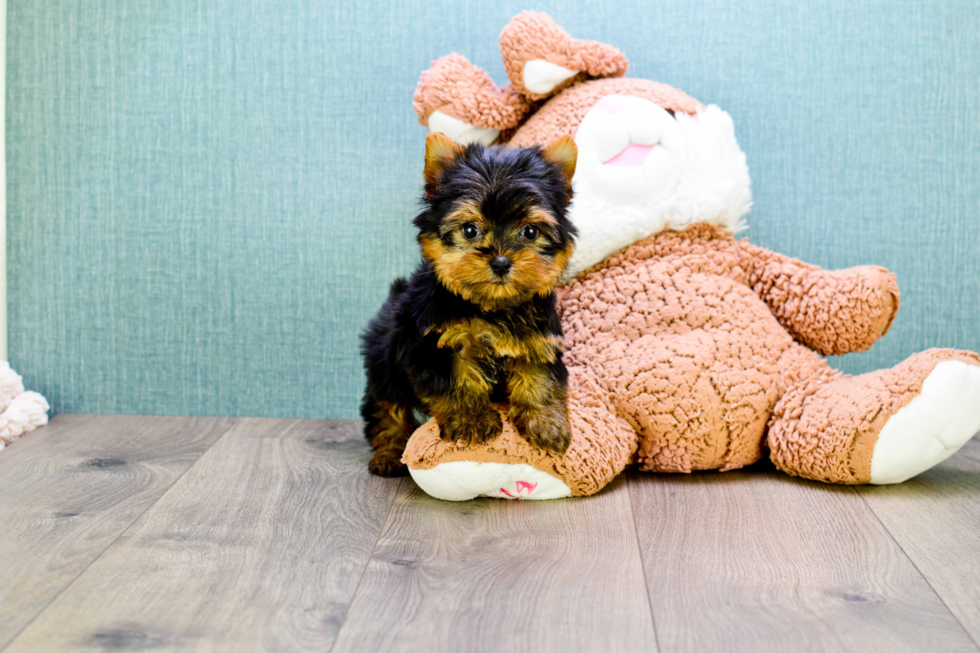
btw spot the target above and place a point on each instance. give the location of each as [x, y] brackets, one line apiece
[70, 489]
[935, 517]
[491, 575]
[759, 561]
[258, 547]
[126, 533]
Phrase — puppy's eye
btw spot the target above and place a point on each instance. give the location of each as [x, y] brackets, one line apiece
[530, 232]
[470, 231]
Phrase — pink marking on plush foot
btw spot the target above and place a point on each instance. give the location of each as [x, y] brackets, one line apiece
[611, 104]
[524, 485]
[633, 155]
[503, 491]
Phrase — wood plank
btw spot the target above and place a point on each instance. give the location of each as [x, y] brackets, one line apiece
[259, 546]
[759, 561]
[935, 518]
[491, 575]
[72, 487]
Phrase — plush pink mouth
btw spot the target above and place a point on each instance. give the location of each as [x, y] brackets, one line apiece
[633, 155]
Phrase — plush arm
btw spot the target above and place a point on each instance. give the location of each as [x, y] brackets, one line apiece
[831, 311]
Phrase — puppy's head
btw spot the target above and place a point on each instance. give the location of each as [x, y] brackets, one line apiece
[493, 224]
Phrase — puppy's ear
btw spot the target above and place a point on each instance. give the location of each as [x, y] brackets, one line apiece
[440, 150]
[563, 153]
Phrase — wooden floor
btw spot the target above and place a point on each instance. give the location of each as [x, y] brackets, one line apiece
[176, 533]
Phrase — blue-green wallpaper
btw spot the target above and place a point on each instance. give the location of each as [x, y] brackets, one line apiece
[208, 198]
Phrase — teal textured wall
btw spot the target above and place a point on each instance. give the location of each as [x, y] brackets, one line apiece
[207, 199]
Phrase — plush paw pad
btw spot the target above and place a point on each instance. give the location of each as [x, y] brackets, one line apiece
[461, 132]
[541, 76]
[931, 427]
[463, 480]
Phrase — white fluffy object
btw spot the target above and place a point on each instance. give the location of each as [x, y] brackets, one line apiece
[695, 172]
[22, 412]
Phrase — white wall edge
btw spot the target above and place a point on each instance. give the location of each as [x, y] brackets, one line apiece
[3, 180]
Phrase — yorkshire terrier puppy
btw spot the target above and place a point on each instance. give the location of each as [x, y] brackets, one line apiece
[477, 322]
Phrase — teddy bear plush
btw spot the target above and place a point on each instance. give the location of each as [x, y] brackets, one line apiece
[20, 412]
[688, 349]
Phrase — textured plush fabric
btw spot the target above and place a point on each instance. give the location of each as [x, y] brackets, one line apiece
[707, 347]
[565, 113]
[20, 412]
[825, 425]
[462, 90]
[536, 36]
[683, 342]
[697, 172]
[685, 337]
[602, 444]
[207, 200]
[459, 89]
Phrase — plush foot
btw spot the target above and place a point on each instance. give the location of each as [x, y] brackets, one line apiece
[457, 99]
[541, 58]
[880, 427]
[930, 428]
[510, 467]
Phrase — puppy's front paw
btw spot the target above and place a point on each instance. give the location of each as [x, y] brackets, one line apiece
[472, 427]
[388, 463]
[545, 426]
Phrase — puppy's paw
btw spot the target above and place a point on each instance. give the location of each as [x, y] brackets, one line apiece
[387, 463]
[545, 427]
[472, 427]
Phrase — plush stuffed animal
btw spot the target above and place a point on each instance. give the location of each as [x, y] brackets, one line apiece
[687, 349]
[20, 412]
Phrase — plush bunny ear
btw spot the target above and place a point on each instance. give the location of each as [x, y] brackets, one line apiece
[540, 58]
[564, 153]
[460, 100]
[440, 150]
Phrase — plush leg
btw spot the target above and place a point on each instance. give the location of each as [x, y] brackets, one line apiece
[694, 404]
[457, 99]
[541, 58]
[881, 427]
[509, 467]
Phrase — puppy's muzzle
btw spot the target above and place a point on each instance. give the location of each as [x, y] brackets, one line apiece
[501, 265]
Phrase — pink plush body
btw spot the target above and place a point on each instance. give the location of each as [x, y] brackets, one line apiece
[680, 362]
[692, 350]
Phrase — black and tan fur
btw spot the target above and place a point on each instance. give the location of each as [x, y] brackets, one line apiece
[477, 322]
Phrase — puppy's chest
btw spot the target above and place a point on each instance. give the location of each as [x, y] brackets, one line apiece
[484, 342]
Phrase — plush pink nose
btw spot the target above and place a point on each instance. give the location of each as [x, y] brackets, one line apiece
[611, 104]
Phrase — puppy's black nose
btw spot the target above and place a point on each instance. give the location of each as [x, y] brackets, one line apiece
[500, 265]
